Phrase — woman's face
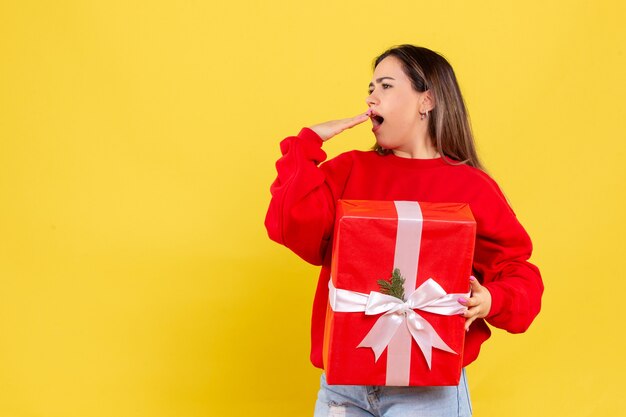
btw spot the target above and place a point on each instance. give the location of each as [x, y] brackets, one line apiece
[395, 106]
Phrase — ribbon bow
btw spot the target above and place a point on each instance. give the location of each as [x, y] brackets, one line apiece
[429, 296]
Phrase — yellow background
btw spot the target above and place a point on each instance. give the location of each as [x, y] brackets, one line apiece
[137, 146]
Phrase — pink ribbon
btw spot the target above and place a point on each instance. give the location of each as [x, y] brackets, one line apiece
[430, 297]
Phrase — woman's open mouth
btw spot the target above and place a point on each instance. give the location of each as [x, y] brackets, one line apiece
[377, 121]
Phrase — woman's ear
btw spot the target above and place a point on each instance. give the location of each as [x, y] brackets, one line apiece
[428, 102]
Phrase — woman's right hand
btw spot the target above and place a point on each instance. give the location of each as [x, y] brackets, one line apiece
[329, 129]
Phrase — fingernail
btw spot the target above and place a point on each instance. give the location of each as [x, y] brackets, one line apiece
[472, 278]
[462, 300]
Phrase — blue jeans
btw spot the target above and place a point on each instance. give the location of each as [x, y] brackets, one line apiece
[368, 401]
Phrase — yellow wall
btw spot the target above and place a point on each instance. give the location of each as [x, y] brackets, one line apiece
[137, 146]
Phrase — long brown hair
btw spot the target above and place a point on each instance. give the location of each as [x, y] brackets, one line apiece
[448, 122]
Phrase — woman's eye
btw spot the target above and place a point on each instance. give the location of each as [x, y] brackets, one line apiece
[383, 85]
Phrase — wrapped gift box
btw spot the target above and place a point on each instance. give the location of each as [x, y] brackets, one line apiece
[376, 339]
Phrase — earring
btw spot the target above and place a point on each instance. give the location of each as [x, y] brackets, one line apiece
[423, 115]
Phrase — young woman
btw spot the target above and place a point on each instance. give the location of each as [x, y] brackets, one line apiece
[424, 152]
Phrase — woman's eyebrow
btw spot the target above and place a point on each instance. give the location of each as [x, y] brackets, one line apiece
[379, 80]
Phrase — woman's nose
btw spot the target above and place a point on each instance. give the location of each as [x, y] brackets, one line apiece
[371, 99]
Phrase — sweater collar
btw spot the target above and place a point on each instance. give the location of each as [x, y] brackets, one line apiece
[415, 162]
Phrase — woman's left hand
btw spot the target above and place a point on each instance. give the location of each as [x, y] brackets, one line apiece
[479, 303]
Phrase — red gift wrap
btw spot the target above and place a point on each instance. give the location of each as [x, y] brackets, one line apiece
[376, 339]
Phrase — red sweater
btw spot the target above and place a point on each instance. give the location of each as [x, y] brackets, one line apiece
[302, 212]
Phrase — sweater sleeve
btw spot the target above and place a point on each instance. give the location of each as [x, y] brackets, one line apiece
[503, 249]
[301, 213]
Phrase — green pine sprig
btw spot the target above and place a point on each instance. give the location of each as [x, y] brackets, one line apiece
[394, 286]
